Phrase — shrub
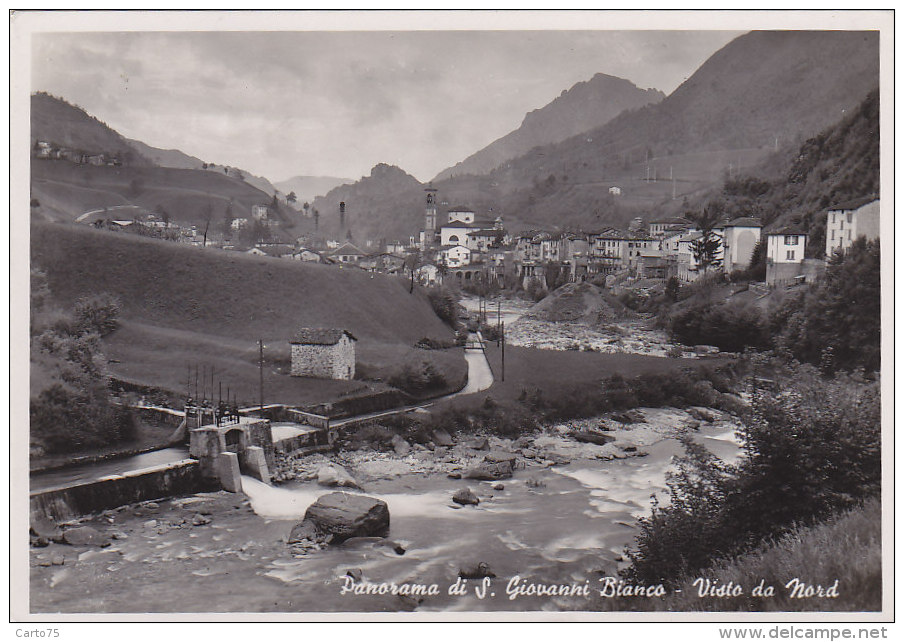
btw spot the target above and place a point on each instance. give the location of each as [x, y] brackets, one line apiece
[536, 290]
[730, 327]
[811, 448]
[418, 378]
[98, 313]
[444, 304]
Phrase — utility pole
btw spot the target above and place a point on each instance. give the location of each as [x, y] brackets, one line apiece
[260, 343]
[498, 321]
[503, 350]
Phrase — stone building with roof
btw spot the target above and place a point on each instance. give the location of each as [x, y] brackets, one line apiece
[327, 353]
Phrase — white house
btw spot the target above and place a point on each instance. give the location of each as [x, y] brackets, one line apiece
[846, 222]
[457, 256]
[739, 237]
[786, 256]
[260, 212]
[238, 224]
[454, 233]
[428, 274]
[462, 215]
[615, 191]
[347, 253]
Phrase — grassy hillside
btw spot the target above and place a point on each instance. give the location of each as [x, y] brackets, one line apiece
[166, 157]
[65, 191]
[55, 121]
[182, 304]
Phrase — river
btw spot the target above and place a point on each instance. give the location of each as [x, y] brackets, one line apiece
[564, 524]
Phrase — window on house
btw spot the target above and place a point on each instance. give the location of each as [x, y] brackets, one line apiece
[790, 239]
[833, 235]
[850, 217]
[789, 255]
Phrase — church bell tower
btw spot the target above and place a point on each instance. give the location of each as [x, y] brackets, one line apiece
[430, 215]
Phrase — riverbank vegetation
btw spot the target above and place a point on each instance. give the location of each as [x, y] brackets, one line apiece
[71, 407]
[844, 551]
[811, 449]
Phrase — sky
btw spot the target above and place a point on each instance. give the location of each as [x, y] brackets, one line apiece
[329, 103]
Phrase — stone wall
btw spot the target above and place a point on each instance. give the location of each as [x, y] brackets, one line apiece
[781, 274]
[327, 362]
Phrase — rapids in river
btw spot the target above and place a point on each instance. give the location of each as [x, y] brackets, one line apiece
[564, 524]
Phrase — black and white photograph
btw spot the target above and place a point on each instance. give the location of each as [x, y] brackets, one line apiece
[425, 315]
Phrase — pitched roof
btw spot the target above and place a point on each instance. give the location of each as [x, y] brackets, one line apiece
[347, 248]
[744, 221]
[855, 203]
[461, 208]
[457, 224]
[789, 230]
[320, 336]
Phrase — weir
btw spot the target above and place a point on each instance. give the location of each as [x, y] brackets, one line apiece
[220, 452]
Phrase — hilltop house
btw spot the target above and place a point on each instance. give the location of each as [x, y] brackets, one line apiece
[847, 222]
[327, 353]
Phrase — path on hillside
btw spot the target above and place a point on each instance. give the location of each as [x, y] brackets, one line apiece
[112, 207]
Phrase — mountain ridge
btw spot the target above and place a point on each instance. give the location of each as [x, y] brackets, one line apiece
[585, 105]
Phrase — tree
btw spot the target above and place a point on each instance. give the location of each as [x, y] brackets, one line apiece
[227, 219]
[163, 214]
[342, 214]
[316, 219]
[291, 198]
[707, 248]
[306, 207]
[412, 262]
[208, 215]
[672, 287]
[756, 270]
[836, 324]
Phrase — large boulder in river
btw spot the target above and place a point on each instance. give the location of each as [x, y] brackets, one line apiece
[336, 517]
[334, 475]
[46, 529]
[400, 446]
[592, 437]
[85, 536]
[491, 469]
[478, 443]
[465, 496]
[442, 438]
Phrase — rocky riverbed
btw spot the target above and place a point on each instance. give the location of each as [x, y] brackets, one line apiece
[632, 337]
[561, 510]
